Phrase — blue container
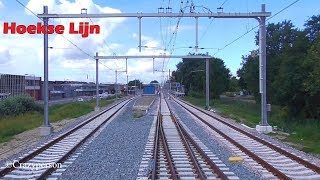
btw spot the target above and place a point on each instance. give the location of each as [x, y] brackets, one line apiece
[149, 90]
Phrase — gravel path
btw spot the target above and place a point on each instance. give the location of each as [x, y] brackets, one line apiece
[117, 152]
[223, 153]
[143, 102]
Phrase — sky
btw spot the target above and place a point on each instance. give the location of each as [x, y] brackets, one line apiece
[71, 56]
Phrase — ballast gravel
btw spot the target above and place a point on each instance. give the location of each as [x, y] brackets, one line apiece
[67, 127]
[222, 152]
[117, 152]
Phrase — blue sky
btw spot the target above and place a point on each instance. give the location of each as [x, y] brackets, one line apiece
[23, 54]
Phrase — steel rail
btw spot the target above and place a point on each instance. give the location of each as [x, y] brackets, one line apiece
[155, 149]
[198, 171]
[161, 136]
[65, 157]
[191, 154]
[307, 164]
[262, 162]
[212, 165]
[7, 170]
[172, 169]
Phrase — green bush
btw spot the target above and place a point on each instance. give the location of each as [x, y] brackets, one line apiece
[195, 94]
[18, 105]
[231, 94]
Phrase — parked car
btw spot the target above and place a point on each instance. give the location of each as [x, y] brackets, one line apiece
[80, 100]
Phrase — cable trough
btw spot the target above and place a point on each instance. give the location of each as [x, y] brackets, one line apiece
[58, 150]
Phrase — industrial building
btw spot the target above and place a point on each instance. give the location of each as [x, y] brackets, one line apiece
[12, 85]
[70, 89]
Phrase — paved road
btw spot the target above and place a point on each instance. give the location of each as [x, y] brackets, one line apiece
[67, 100]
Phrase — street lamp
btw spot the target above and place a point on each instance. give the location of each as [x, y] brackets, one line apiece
[34, 84]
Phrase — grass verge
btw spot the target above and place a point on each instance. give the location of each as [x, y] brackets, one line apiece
[303, 134]
[12, 125]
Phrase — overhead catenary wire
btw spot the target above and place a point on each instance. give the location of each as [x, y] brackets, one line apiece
[104, 41]
[212, 19]
[59, 34]
[247, 32]
[223, 3]
[174, 34]
[77, 47]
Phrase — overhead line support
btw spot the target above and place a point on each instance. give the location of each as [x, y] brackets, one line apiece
[260, 16]
[150, 15]
[46, 128]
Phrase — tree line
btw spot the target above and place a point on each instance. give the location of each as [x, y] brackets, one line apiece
[293, 68]
[191, 73]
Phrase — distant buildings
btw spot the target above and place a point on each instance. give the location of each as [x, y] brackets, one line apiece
[12, 85]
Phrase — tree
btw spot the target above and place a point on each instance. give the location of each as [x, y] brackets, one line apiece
[313, 28]
[233, 84]
[312, 81]
[191, 73]
[249, 74]
[288, 86]
[135, 82]
[154, 82]
[293, 67]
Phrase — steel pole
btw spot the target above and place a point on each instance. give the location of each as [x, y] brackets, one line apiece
[115, 86]
[46, 129]
[263, 68]
[97, 83]
[135, 87]
[196, 47]
[46, 79]
[207, 84]
[34, 87]
[139, 34]
[169, 82]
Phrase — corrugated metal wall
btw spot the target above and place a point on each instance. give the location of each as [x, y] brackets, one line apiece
[149, 90]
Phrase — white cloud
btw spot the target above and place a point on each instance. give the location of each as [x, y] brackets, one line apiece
[90, 44]
[183, 28]
[143, 38]
[65, 60]
[4, 55]
[143, 68]
[1, 5]
[68, 62]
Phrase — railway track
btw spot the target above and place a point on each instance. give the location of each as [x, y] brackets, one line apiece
[178, 154]
[44, 160]
[262, 154]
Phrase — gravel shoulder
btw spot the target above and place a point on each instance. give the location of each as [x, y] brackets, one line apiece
[117, 152]
[143, 102]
